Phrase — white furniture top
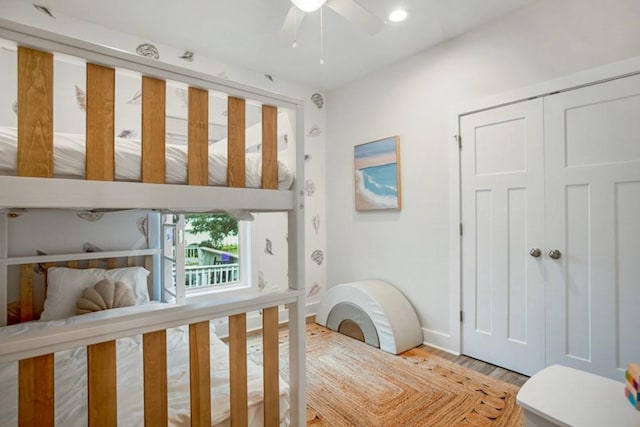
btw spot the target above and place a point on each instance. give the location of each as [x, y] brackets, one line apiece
[569, 397]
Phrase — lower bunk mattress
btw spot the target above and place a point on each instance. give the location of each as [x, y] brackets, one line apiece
[71, 379]
[69, 161]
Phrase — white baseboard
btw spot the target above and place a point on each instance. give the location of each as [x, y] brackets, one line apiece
[440, 340]
[312, 308]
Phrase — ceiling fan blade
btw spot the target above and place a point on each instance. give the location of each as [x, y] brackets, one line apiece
[291, 26]
[357, 15]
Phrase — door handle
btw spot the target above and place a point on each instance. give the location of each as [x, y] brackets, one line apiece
[535, 252]
[554, 254]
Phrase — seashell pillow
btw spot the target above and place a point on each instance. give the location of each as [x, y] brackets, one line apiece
[104, 295]
[65, 286]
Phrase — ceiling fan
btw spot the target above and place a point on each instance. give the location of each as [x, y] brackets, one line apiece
[348, 9]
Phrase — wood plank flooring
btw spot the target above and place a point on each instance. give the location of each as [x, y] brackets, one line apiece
[480, 366]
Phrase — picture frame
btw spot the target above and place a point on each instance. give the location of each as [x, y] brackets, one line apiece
[377, 175]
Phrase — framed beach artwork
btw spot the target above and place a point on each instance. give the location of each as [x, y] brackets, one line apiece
[377, 175]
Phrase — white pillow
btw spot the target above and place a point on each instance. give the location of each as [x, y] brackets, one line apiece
[65, 286]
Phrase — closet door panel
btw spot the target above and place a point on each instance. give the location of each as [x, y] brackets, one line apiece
[500, 147]
[578, 274]
[517, 267]
[627, 272]
[502, 215]
[593, 122]
[592, 160]
[482, 319]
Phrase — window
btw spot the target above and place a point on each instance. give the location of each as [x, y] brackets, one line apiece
[207, 257]
[212, 258]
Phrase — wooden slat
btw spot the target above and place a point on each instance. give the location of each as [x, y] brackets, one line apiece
[200, 374]
[26, 292]
[131, 261]
[36, 391]
[271, 366]
[238, 367]
[113, 263]
[269, 147]
[101, 384]
[101, 84]
[35, 113]
[155, 378]
[73, 264]
[94, 263]
[153, 130]
[198, 150]
[236, 142]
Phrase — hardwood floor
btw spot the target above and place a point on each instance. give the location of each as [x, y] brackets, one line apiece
[480, 366]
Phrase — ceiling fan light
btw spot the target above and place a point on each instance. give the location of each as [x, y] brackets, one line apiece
[398, 15]
[308, 5]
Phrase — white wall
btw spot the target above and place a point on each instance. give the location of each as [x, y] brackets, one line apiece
[413, 99]
[315, 279]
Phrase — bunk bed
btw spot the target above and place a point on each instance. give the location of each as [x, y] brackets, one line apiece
[36, 347]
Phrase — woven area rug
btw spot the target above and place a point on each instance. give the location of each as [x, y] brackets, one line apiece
[350, 383]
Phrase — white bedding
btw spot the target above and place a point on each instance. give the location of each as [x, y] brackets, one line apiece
[69, 161]
[70, 379]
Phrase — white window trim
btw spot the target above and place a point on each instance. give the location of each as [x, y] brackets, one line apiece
[246, 284]
[172, 257]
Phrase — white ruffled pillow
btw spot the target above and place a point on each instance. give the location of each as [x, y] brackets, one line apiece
[65, 286]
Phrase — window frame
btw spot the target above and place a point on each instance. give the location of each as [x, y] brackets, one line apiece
[245, 283]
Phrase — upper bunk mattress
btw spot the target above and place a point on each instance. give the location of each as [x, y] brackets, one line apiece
[69, 161]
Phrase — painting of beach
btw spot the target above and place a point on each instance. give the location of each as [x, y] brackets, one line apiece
[377, 174]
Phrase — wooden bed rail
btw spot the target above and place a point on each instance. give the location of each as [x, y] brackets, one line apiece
[35, 127]
[35, 352]
[99, 191]
[116, 58]
[39, 343]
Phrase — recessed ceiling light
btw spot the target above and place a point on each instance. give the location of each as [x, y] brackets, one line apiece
[398, 15]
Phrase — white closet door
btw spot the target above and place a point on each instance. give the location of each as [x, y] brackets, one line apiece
[502, 195]
[592, 160]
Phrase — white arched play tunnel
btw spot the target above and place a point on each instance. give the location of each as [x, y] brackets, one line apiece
[372, 311]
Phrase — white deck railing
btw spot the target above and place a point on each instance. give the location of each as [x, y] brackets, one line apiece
[201, 276]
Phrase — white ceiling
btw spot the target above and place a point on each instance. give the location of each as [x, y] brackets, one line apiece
[246, 32]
